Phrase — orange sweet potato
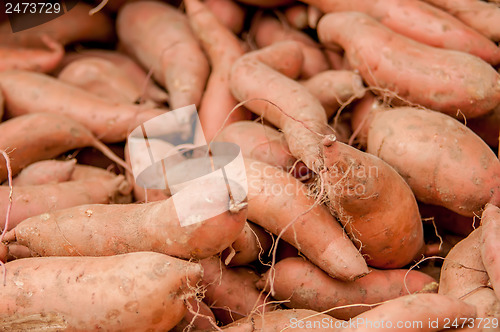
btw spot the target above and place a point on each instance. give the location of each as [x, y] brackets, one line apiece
[306, 286]
[99, 230]
[490, 245]
[102, 78]
[45, 171]
[269, 31]
[28, 201]
[223, 49]
[229, 13]
[230, 292]
[480, 15]
[41, 60]
[41, 136]
[139, 291]
[300, 116]
[314, 231]
[430, 25]
[443, 161]
[159, 36]
[362, 190]
[414, 313]
[457, 81]
[108, 120]
[464, 277]
[198, 317]
[296, 16]
[260, 142]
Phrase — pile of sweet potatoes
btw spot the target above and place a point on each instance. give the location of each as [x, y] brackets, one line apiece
[369, 134]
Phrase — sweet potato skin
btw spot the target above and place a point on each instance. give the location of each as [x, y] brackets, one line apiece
[490, 245]
[100, 230]
[362, 190]
[315, 233]
[457, 81]
[443, 161]
[28, 201]
[170, 49]
[306, 286]
[133, 292]
[54, 135]
[431, 25]
[45, 171]
[108, 120]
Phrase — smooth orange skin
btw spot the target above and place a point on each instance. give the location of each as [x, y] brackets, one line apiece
[430, 25]
[307, 287]
[133, 292]
[159, 36]
[276, 199]
[440, 79]
[362, 191]
[443, 161]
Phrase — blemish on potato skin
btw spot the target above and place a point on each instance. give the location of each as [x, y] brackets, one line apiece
[132, 306]
[112, 314]
[157, 316]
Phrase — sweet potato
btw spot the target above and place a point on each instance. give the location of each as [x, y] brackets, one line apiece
[490, 245]
[480, 15]
[230, 292]
[457, 81]
[140, 292]
[41, 136]
[431, 25]
[28, 201]
[45, 171]
[306, 286]
[443, 161]
[269, 30]
[363, 111]
[362, 190]
[74, 26]
[417, 312]
[314, 231]
[300, 116]
[299, 320]
[296, 16]
[198, 317]
[463, 276]
[266, 3]
[334, 88]
[260, 142]
[83, 172]
[448, 220]
[229, 13]
[158, 35]
[252, 243]
[102, 78]
[109, 121]
[223, 49]
[99, 230]
[41, 60]
[133, 71]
